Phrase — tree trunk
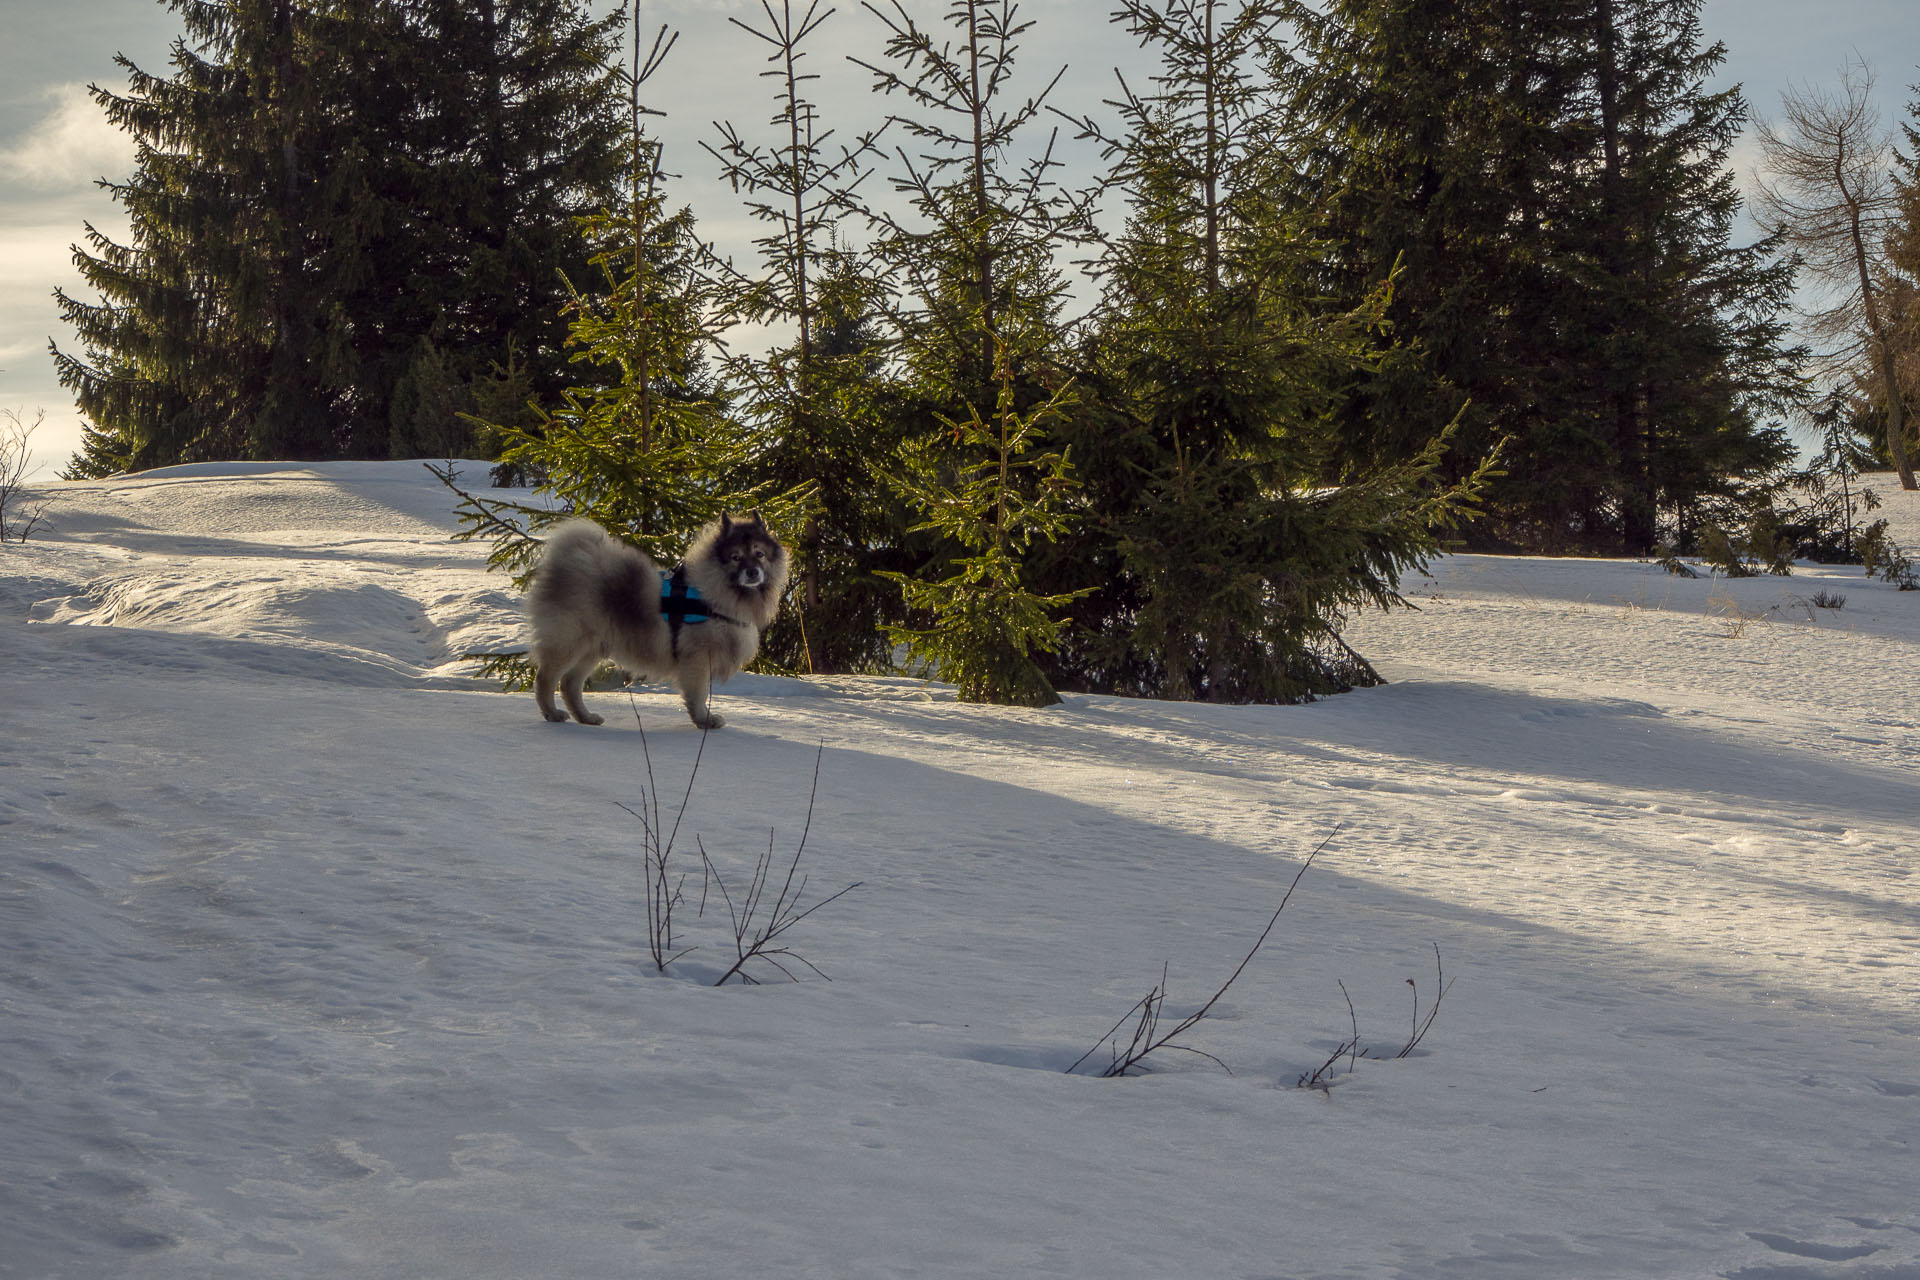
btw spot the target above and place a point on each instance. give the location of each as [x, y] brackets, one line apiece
[1212, 171]
[1877, 338]
[1620, 390]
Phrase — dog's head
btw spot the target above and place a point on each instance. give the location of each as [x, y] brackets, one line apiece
[749, 554]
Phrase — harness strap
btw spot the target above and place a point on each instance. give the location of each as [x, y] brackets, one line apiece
[682, 605]
[680, 600]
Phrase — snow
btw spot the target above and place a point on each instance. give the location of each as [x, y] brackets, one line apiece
[319, 959]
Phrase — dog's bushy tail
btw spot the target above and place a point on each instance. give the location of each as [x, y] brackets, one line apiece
[572, 553]
[572, 538]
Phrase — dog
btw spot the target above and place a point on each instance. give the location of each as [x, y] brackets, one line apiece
[594, 598]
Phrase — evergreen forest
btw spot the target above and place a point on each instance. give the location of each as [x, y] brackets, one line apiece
[1349, 283]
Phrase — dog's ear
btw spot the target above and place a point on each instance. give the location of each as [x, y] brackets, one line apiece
[754, 518]
[726, 523]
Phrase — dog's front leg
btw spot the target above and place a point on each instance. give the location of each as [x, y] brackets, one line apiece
[695, 692]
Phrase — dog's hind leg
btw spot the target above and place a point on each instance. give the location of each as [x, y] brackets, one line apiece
[543, 681]
[573, 684]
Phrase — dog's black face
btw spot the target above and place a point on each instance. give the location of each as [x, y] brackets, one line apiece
[747, 552]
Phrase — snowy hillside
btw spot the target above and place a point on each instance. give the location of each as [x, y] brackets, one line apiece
[319, 959]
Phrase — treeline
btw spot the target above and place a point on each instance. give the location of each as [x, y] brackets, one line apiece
[1353, 274]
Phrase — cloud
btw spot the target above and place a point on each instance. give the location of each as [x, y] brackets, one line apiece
[34, 257]
[37, 256]
[1744, 160]
[70, 146]
[55, 436]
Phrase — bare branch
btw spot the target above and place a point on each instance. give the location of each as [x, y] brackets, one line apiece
[757, 934]
[1146, 1038]
[1420, 1028]
[16, 520]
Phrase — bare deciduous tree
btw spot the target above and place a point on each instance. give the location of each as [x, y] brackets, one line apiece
[17, 517]
[1826, 189]
[1903, 254]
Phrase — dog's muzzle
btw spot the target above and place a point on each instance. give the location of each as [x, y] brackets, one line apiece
[752, 576]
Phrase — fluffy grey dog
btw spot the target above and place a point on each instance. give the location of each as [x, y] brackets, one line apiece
[593, 598]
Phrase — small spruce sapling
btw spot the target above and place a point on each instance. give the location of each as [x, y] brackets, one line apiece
[645, 449]
[1762, 547]
[1884, 559]
[987, 620]
[1825, 520]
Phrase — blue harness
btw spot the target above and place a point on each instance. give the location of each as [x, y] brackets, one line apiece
[681, 601]
[681, 604]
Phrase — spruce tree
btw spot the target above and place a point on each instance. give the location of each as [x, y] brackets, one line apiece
[493, 131]
[1686, 330]
[1549, 181]
[814, 403]
[1426, 139]
[979, 335]
[990, 627]
[207, 340]
[1238, 551]
[322, 185]
[975, 258]
[644, 446]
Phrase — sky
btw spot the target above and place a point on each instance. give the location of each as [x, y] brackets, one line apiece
[55, 144]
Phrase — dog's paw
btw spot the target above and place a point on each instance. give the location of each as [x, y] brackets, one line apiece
[712, 720]
[592, 718]
[556, 715]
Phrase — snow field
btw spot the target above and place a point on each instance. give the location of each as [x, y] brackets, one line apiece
[316, 959]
